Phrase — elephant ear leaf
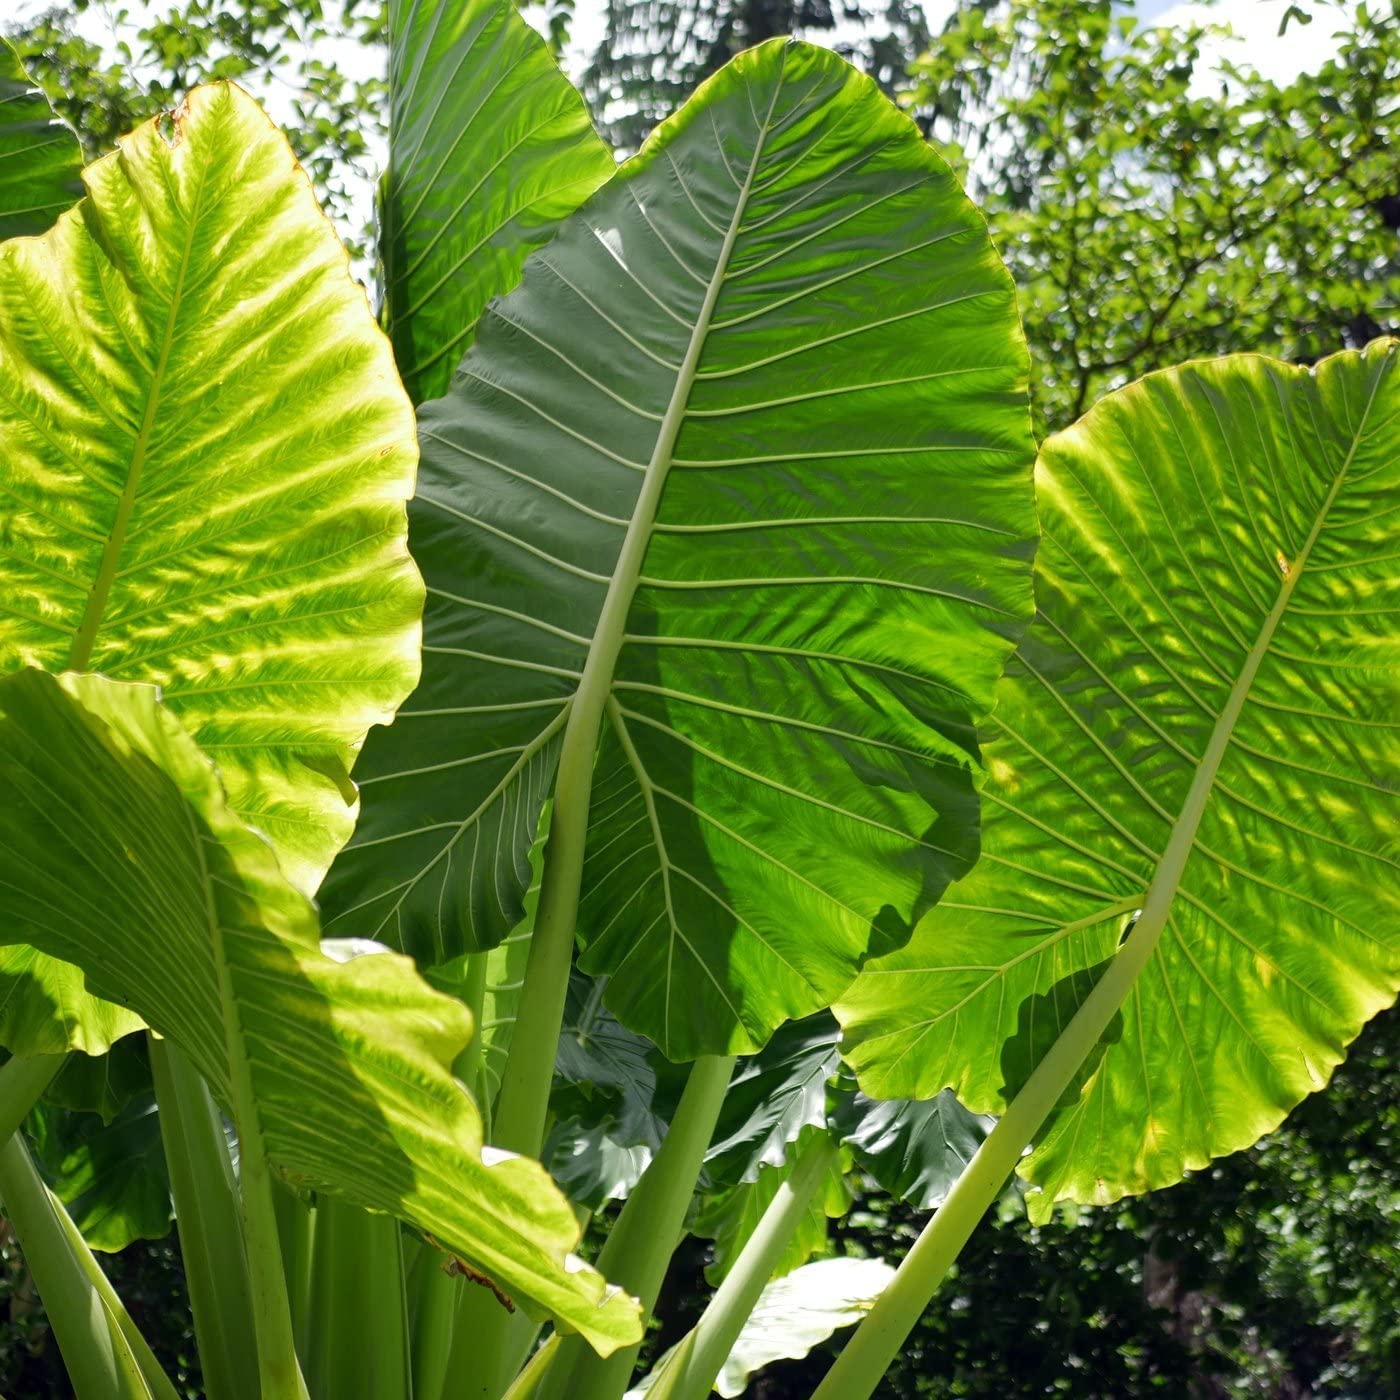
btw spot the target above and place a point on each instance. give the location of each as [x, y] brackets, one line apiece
[1197, 741]
[206, 454]
[490, 145]
[738, 476]
[40, 158]
[124, 858]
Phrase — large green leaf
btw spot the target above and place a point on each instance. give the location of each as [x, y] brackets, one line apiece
[39, 157]
[745, 459]
[1206, 708]
[205, 454]
[124, 858]
[490, 146]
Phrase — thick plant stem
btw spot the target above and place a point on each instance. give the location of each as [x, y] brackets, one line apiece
[690, 1371]
[23, 1080]
[639, 1247]
[205, 1193]
[157, 1382]
[296, 1229]
[272, 1313]
[436, 1297]
[358, 1344]
[99, 1361]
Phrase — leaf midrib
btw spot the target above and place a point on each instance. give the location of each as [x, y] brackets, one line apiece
[1182, 843]
[81, 651]
[609, 635]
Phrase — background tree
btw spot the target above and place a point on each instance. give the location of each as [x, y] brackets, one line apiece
[653, 52]
[1152, 209]
[294, 49]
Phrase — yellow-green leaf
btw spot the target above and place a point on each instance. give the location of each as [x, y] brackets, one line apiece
[125, 859]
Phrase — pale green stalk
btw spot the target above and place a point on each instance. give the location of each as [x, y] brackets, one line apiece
[639, 1246]
[689, 1372]
[157, 1382]
[358, 1332]
[526, 1385]
[23, 1080]
[296, 1229]
[878, 1338]
[435, 1300]
[205, 1193]
[99, 1361]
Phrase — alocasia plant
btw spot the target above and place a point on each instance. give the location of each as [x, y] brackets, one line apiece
[678, 520]
[726, 523]
[1186, 903]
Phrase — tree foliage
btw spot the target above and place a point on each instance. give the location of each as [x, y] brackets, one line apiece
[654, 52]
[1154, 208]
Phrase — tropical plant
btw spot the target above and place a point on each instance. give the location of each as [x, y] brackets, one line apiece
[721, 538]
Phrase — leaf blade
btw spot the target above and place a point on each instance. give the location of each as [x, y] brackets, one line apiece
[349, 1063]
[1231, 706]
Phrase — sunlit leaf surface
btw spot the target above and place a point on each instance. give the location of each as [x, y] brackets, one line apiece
[125, 859]
[1218, 585]
[204, 454]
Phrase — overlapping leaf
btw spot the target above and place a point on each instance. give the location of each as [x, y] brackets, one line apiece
[205, 454]
[772, 1097]
[778, 358]
[40, 158]
[125, 859]
[1214, 675]
[490, 146]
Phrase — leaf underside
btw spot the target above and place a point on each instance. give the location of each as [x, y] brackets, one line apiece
[490, 145]
[786, 311]
[1205, 519]
[126, 860]
[40, 158]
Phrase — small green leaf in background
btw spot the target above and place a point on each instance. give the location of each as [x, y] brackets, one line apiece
[730, 1216]
[1217, 586]
[914, 1148]
[794, 1314]
[772, 1097]
[103, 1084]
[126, 860]
[821, 463]
[608, 1121]
[40, 158]
[111, 1176]
[490, 146]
